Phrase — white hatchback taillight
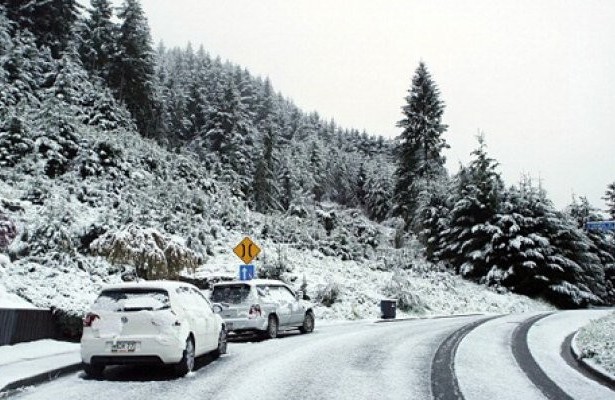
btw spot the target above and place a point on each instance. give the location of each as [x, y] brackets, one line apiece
[89, 319]
[255, 311]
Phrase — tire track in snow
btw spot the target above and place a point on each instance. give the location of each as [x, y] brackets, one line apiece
[444, 384]
[528, 364]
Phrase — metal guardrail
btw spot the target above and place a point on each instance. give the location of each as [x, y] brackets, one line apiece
[24, 325]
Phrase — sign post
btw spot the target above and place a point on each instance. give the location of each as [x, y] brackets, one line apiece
[247, 250]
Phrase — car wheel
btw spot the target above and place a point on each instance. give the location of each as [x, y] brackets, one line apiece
[222, 343]
[187, 362]
[308, 323]
[272, 328]
[94, 371]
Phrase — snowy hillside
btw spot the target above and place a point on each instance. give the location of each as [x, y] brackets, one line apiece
[159, 174]
[347, 263]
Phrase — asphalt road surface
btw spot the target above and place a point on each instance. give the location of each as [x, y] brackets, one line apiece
[471, 357]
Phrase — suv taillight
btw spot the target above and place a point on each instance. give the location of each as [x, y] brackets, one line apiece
[89, 318]
[255, 311]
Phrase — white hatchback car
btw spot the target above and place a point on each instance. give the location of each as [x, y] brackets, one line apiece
[150, 323]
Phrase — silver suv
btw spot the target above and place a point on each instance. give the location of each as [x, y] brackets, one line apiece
[262, 306]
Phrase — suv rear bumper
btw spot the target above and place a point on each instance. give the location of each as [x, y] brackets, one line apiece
[245, 324]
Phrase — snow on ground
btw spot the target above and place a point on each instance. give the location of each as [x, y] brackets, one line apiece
[19, 352]
[489, 345]
[545, 339]
[24, 360]
[362, 285]
[8, 299]
[11, 300]
[596, 342]
[51, 286]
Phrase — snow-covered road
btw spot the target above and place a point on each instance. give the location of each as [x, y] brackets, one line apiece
[360, 360]
[348, 361]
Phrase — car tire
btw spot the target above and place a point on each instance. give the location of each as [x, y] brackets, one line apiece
[222, 343]
[94, 371]
[308, 323]
[187, 362]
[272, 328]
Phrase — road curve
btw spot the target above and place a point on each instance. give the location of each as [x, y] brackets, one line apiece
[348, 361]
[471, 358]
[526, 361]
[444, 383]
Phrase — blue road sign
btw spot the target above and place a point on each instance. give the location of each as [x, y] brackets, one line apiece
[601, 226]
[246, 272]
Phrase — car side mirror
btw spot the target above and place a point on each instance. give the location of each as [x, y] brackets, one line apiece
[217, 308]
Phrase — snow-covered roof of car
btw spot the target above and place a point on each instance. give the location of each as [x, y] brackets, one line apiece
[253, 282]
[148, 285]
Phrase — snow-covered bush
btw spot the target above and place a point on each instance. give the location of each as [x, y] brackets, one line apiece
[328, 294]
[596, 342]
[8, 231]
[153, 254]
[328, 220]
[400, 287]
[275, 267]
[14, 142]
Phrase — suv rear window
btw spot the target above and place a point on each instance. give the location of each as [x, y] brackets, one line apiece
[134, 299]
[234, 294]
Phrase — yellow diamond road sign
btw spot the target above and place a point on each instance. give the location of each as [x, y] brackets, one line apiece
[247, 250]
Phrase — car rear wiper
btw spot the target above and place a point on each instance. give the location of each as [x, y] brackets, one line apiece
[131, 309]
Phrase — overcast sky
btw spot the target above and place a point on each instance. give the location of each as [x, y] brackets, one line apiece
[537, 77]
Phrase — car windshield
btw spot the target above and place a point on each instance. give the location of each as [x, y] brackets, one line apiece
[234, 294]
[132, 300]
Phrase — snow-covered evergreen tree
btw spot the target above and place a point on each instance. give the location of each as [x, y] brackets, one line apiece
[540, 252]
[379, 185]
[431, 220]
[98, 39]
[479, 189]
[421, 142]
[50, 21]
[228, 141]
[266, 190]
[609, 197]
[132, 70]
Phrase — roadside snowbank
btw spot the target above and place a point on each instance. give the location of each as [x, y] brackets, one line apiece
[596, 341]
[11, 354]
[8, 299]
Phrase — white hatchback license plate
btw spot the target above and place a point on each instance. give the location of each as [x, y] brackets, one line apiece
[124, 347]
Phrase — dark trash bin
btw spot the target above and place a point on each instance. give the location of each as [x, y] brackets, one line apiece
[388, 308]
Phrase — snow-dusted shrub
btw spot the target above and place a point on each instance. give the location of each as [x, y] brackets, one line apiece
[596, 342]
[37, 192]
[328, 220]
[153, 254]
[58, 145]
[298, 210]
[400, 288]
[275, 267]
[328, 294]
[50, 233]
[14, 142]
[5, 261]
[102, 157]
[8, 231]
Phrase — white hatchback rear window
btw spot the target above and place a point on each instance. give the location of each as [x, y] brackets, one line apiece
[132, 300]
